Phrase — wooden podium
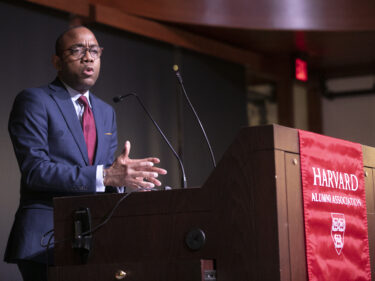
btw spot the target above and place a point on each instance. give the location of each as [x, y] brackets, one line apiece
[249, 210]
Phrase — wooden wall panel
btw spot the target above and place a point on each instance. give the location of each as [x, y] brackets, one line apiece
[370, 196]
[370, 204]
[368, 156]
[78, 7]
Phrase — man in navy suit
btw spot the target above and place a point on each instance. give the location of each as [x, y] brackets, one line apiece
[57, 157]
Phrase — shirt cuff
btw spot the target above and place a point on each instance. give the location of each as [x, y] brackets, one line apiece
[99, 179]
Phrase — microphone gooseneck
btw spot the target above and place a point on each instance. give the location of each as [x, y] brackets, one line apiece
[179, 78]
[120, 98]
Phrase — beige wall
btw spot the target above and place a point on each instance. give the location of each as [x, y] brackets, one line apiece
[350, 118]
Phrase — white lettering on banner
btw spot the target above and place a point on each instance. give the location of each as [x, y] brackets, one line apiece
[335, 199]
[354, 178]
[321, 197]
[335, 179]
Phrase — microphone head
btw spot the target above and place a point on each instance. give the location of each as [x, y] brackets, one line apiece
[117, 99]
[175, 69]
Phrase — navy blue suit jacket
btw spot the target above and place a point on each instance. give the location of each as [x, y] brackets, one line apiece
[51, 152]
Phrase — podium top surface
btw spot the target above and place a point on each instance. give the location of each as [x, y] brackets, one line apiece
[286, 139]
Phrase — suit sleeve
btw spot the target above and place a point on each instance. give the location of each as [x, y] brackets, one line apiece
[29, 127]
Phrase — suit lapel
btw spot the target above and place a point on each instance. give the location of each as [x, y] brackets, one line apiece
[99, 127]
[64, 102]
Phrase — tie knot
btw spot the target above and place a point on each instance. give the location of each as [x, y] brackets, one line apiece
[83, 100]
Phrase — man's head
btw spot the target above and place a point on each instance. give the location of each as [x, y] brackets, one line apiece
[77, 58]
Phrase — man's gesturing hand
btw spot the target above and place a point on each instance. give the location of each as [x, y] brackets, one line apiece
[133, 173]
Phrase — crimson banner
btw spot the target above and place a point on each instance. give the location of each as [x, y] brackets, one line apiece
[334, 203]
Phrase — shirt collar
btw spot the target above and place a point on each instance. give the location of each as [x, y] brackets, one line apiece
[74, 94]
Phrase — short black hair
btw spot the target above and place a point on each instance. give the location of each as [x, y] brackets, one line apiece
[59, 40]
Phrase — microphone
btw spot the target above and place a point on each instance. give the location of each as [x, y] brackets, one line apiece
[120, 98]
[179, 78]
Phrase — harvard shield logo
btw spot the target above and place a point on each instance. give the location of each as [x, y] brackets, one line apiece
[338, 231]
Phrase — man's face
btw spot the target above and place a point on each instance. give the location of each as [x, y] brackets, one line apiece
[78, 73]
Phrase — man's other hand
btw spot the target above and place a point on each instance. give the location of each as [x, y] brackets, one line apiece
[133, 173]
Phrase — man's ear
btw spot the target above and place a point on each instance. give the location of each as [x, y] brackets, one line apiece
[56, 61]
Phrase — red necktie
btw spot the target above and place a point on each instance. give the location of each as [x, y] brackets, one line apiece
[88, 127]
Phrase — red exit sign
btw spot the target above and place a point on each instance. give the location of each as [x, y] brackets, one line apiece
[301, 70]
